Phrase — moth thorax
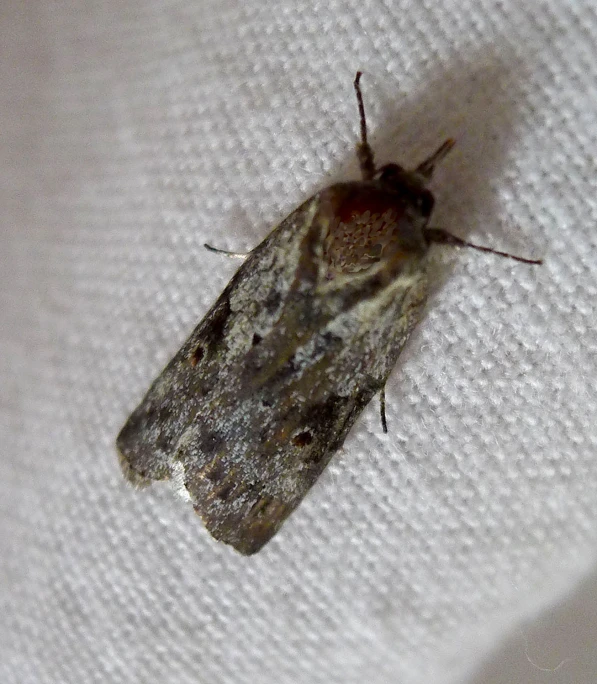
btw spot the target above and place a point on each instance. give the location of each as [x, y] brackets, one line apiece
[353, 246]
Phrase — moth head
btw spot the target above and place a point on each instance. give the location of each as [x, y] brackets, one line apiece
[412, 185]
[408, 184]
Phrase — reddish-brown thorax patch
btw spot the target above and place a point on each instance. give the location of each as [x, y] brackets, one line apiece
[362, 223]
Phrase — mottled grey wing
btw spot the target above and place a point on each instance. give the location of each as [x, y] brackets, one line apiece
[251, 302]
[252, 408]
[270, 428]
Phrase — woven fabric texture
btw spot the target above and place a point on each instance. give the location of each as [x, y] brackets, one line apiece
[458, 548]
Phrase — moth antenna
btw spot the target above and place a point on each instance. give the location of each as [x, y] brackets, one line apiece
[427, 166]
[225, 252]
[442, 237]
[382, 409]
[364, 151]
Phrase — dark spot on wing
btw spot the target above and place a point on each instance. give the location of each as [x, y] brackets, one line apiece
[215, 324]
[272, 301]
[224, 491]
[326, 419]
[197, 355]
[303, 438]
[204, 390]
[209, 440]
[331, 339]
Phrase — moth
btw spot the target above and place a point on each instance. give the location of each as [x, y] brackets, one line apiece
[249, 412]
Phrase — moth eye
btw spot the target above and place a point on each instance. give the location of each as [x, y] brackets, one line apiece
[196, 356]
[303, 438]
[425, 203]
[256, 339]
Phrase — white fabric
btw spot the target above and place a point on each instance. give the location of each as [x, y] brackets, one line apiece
[447, 551]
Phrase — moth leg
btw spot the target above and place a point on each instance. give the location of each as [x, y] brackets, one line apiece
[382, 409]
[364, 151]
[442, 237]
[225, 252]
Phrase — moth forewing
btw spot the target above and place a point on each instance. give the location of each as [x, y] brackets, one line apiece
[248, 307]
